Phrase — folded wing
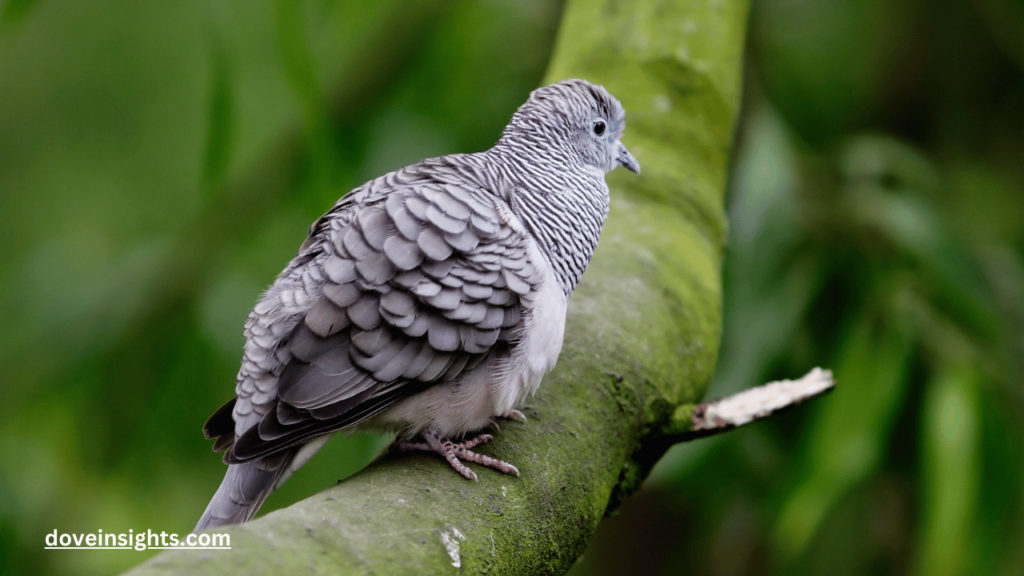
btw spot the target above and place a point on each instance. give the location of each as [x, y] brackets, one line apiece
[419, 280]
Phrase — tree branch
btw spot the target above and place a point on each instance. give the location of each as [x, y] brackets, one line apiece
[641, 339]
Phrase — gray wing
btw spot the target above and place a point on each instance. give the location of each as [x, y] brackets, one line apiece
[407, 283]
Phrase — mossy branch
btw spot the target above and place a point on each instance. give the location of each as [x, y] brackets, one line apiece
[641, 339]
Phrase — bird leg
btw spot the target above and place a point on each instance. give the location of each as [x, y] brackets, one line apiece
[453, 452]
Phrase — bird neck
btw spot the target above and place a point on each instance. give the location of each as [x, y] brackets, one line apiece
[562, 204]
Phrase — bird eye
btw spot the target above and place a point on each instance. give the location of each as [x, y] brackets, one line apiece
[599, 127]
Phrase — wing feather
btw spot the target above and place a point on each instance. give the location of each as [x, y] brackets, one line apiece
[409, 280]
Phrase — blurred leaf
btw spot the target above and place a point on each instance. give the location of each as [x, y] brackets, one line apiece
[219, 135]
[826, 64]
[1005, 19]
[890, 189]
[950, 436]
[984, 201]
[768, 282]
[890, 162]
[763, 320]
[479, 35]
[297, 59]
[302, 74]
[15, 11]
[765, 177]
[850, 432]
[997, 530]
[917, 229]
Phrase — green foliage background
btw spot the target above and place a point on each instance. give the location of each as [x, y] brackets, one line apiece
[160, 162]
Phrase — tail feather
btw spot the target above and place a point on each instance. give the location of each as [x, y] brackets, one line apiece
[247, 485]
[241, 493]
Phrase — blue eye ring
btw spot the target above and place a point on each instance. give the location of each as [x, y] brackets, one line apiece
[599, 127]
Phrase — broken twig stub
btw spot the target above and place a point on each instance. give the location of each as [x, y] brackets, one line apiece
[745, 407]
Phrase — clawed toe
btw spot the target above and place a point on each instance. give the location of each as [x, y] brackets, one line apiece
[510, 415]
[454, 452]
[513, 415]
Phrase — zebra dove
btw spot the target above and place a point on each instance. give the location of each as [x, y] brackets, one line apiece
[426, 302]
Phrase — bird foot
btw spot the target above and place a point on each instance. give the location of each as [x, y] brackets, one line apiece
[453, 452]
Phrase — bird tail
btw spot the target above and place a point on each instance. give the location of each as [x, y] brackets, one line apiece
[243, 490]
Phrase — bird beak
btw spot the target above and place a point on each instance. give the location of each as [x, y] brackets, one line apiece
[627, 160]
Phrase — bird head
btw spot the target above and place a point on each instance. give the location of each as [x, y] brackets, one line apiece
[577, 117]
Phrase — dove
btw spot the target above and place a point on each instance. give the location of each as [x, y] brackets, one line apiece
[425, 303]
